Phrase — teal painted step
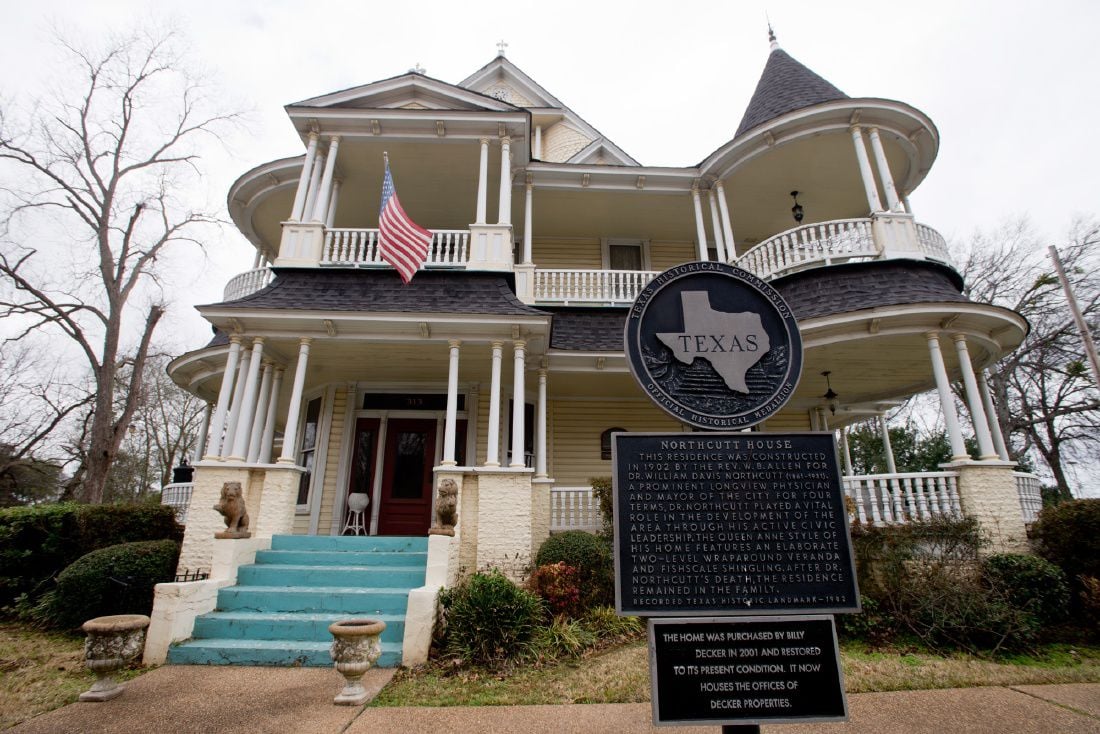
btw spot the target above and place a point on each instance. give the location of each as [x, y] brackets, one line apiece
[280, 609]
[408, 577]
[349, 542]
[341, 558]
[283, 653]
[346, 599]
[238, 625]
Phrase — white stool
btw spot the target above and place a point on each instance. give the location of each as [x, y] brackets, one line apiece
[357, 502]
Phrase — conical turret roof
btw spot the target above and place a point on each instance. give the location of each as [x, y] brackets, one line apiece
[786, 85]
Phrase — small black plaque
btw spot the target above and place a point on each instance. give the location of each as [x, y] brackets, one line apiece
[748, 671]
[730, 524]
[713, 345]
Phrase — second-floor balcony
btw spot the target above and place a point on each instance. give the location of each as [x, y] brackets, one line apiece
[818, 245]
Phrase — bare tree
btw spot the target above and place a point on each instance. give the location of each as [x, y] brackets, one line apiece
[90, 182]
[1045, 400]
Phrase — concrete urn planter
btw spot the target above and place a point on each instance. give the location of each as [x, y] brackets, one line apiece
[356, 646]
[111, 643]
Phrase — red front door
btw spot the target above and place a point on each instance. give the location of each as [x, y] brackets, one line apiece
[406, 501]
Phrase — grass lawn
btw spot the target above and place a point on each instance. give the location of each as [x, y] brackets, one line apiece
[621, 675]
[40, 671]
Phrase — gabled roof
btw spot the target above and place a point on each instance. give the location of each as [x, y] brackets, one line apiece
[408, 91]
[785, 85]
[501, 79]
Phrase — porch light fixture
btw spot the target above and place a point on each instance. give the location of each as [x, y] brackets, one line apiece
[796, 210]
[830, 396]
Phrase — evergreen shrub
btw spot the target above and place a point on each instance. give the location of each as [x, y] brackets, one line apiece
[37, 543]
[1029, 583]
[1068, 535]
[118, 579]
[602, 489]
[489, 620]
[590, 555]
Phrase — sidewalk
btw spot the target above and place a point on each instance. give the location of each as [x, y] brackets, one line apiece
[180, 699]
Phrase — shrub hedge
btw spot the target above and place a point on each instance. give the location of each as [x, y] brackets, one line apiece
[590, 555]
[488, 619]
[1068, 535]
[118, 579]
[37, 543]
[1028, 583]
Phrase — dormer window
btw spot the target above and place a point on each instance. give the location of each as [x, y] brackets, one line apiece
[605, 442]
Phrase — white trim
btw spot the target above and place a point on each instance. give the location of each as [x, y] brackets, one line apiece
[376, 490]
[320, 457]
[351, 417]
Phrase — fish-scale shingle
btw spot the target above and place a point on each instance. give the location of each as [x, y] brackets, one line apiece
[785, 86]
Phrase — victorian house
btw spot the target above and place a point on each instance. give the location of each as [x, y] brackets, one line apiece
[500, 366]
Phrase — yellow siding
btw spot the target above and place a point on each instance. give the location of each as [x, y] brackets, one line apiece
[788, 421]
[663, 255]
[567, 253]
[332, 461]
[576, 430]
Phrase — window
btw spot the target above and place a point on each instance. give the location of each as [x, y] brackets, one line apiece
[528, 433]
[307, 453]
[625, 255]
[605, 442]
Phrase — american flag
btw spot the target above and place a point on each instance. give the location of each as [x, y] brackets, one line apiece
[402, 242]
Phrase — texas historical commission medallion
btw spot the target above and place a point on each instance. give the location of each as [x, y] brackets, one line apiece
[714, 345]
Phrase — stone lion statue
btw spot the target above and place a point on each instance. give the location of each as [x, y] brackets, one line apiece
[231, 506]
[447, 504]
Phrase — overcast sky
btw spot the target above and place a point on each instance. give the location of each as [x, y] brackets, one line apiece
[1011, 86]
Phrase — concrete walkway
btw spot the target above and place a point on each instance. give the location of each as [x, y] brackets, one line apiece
[181, 699]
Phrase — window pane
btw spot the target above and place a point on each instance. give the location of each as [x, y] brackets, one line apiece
[408, 470]
[624, 257]
[306, 460]
[362, 474]
[309, 430]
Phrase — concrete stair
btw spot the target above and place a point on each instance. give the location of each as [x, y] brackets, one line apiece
[279, 611]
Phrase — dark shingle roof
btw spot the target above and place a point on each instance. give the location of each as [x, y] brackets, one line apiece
[431, 291]
[810, 293]
[785, 86]
[588, 330]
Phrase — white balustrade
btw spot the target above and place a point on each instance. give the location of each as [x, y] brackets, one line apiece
[178, 497]
[246, 283]
[932, 245]
[1030, 489]
[359, 248]
[590, 286]
[574, 508]
[811, 245]
[883, 499]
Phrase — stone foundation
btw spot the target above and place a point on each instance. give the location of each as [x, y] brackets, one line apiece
[987, 492]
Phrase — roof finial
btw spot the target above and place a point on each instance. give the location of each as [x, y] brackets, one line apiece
[418, 69]
[501, 45]
[771, 33]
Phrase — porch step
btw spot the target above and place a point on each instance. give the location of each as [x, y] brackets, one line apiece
[280, 609]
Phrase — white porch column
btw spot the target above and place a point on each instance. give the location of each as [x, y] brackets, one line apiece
[520, 349]
[537, 152]
[303, 179]
[530, 187]
[700, 230]
[235, 406]
[991, 414]
[865, 169]
[892, 200]
[482, 181]
[290, 434]
[492, 449]
[540, 445]
[320, 210]
[263, 400]
[891, 466]
[214, 447]
[204, 430]
[451, 424]
[905, 204]
[331, 216]
[269, 421]
[504, 213]
[947, 401]
[847, 453]
[727, 227]
[716, 225]
[974, 401]
[248, 402]
[314, 186]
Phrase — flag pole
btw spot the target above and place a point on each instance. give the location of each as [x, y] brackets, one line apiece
[386, 157]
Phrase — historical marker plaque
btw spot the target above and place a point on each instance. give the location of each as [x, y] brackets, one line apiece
[713, 345]
[748, 671]
[730, 524]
